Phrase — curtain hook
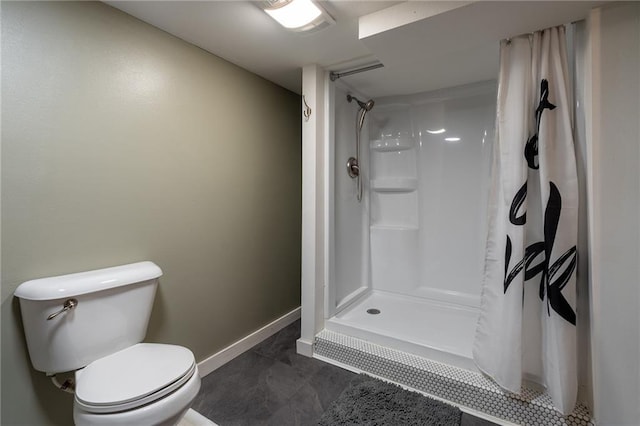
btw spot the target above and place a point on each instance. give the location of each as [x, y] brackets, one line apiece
[307, 110]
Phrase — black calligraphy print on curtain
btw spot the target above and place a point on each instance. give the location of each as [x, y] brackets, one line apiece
[554, 277]
[531, 147]
[552, 284]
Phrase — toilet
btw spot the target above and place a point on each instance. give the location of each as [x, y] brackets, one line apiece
[92, 324]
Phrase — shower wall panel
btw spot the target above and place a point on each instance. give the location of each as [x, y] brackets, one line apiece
[351, 218]
[429, 190]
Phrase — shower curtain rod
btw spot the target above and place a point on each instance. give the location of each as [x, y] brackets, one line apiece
[336, 75]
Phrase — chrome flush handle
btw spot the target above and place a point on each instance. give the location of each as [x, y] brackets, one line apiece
[68, 304]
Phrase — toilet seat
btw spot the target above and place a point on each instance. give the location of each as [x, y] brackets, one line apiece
[132, 377]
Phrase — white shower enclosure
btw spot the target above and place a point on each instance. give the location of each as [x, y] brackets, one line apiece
[406, 263]
[403, 268]
[411, 252]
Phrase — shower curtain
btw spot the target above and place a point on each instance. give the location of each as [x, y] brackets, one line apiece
[527, 324]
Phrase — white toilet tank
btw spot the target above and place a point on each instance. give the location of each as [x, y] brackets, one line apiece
[112, 313]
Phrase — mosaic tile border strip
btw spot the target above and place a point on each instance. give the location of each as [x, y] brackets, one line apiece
[459, 386]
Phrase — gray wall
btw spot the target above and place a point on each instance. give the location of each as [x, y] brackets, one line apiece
[121, 143]
[615, 270]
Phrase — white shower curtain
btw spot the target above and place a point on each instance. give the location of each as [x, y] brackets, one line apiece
[527, 324]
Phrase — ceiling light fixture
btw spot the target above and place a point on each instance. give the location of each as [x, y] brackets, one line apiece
[298, 15]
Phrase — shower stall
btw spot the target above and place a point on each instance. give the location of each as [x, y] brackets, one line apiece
[411, 252]
[403, 263]
[392, 279]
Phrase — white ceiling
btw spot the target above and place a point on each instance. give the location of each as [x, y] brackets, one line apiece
[240, 32]
[458, 46]
[423, 45]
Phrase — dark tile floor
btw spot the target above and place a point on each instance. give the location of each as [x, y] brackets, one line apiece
[271, 384]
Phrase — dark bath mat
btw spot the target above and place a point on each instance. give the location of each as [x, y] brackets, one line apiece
[372, 402]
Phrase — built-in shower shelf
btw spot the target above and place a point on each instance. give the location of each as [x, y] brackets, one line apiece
[392, 144]
[394, 185]
[394, 228]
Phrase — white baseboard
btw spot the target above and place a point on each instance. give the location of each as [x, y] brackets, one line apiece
[193, 418]
[304, 347]
[220, 358]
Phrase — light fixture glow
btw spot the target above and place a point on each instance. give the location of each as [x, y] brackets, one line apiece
[295, 14]
[452, 139]
[436, 132]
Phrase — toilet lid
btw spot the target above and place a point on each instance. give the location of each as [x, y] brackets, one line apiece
[133, 376]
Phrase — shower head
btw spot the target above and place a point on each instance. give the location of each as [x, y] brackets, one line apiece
[364, 108]
[368, 105]
[364, 105]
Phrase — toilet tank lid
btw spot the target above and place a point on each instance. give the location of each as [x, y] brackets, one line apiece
[63, 286]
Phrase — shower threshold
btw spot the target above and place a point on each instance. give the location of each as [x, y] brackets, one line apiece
[428, 328]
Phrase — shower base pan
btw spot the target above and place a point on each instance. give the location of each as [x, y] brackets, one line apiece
[438, 365]
[432, 329]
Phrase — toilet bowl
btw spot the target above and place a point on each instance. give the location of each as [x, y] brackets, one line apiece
[143, 384]
[92, 323]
